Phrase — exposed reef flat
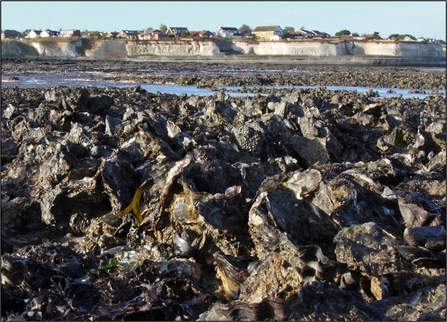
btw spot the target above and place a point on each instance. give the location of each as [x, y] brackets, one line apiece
[204, 73]
[303, 204]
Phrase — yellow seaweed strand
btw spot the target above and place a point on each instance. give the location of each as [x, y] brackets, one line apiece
[134, 206]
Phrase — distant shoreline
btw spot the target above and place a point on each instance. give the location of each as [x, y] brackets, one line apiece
[298, 53]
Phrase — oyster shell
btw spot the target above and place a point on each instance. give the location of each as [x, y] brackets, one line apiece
[304, 183]
[232, 272]
[418, 211]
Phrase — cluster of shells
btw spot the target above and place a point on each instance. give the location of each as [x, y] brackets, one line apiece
[310, 205]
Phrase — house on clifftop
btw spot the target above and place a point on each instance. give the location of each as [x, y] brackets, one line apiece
[229, 32]
[267, 32]
[70, 33]
[49, 33]
[128, 34]
[202, 34]
[10, 34]
[177, 31]
[153, 34]
[34, 34]
[305, 33]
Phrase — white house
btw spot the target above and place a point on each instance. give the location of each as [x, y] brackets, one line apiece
[34, 34]
[49, 33]
[229, 32]
[305, 33]
[318, 34]
[70, 33]
[409, 38]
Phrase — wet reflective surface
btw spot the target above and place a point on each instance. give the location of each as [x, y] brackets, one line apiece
[96, 79]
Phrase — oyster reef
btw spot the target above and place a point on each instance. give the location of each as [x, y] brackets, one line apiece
[298, 204]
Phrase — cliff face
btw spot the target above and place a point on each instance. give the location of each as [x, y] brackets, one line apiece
[170, 48]
[45, 48]
[61, 49]
[124, 49]
[308, 48]
[111, 49]
[17, 48]
[312, 48]
[400, 49]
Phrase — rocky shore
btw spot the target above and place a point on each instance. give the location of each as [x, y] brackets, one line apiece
[303, 204]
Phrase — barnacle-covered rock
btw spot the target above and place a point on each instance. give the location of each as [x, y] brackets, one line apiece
[425, 304]
[249, 137]
[284, 270]
[242, 311]
[323, 301]
[358, 199]
[280, 211]
[367, 249]
[311, 150]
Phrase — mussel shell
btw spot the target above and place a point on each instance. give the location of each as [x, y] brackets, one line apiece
[123, 230]
[427, 262]
[112, 220]
[419, 256]
[348, 281]
[78, 223]
[411, 253]
[432, 237]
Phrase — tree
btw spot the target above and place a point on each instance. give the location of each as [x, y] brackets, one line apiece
[288, 30]
[246, 30]
[96, 34]
[394, 36]
[163, 28]
[343, 33]
[376, 35]
[355, 34]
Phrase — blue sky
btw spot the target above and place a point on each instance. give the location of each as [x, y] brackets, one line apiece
[424, 18]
